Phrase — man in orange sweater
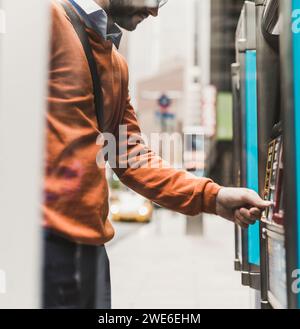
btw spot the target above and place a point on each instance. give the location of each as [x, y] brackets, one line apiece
[76, 192]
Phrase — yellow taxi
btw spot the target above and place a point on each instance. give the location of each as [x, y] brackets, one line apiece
[129, 206]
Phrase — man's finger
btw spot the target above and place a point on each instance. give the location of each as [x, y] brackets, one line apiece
[254, 200]
[241, 224]
[237, 214]
[244, 218]
[241, 218]
[247, 215]
[256, 212]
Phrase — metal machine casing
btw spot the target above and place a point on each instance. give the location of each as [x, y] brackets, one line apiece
[244, 87]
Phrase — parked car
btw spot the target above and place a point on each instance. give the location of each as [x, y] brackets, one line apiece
[129, 206]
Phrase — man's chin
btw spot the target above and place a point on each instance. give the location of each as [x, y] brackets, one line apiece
[130, 28]
[128, 25]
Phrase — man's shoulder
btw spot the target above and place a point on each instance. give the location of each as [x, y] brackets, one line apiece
[57, 11]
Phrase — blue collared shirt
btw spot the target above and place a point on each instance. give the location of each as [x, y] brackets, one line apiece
[96, 18]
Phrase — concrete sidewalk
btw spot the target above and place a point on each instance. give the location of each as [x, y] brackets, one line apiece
[160, 267]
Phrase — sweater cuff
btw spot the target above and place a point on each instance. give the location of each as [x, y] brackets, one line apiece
[210, 197]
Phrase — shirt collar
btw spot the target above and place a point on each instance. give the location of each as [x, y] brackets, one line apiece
[96, 18]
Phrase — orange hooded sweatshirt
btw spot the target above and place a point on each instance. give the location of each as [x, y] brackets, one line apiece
[76, 190]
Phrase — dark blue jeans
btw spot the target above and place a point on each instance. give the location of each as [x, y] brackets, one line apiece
[75, 276]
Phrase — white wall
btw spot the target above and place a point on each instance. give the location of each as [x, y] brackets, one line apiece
[23, 86]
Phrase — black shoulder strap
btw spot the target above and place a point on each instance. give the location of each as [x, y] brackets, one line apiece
[83, 36]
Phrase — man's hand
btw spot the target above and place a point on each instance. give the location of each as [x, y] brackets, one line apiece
[240, 205]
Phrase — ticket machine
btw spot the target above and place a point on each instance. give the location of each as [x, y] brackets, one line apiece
[278, 129]
[244, 79]
[271, 150]
[290, 110]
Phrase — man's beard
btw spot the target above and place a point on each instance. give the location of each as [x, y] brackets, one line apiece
[123, 13]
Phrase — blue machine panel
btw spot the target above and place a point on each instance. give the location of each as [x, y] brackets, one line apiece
[252, 149]
[296, 64]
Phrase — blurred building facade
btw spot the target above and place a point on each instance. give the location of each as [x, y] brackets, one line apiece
[186, 53]
[170, 55]
[224, 18]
